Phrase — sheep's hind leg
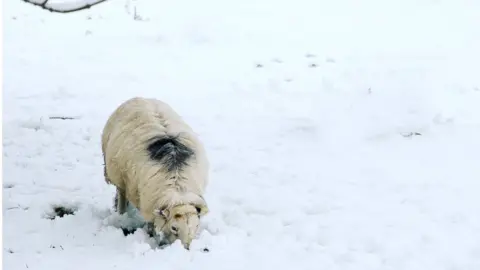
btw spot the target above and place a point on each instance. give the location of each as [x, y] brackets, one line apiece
[120, 202]
[115, 202]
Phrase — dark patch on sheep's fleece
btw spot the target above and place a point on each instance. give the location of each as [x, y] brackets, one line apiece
[170, 151]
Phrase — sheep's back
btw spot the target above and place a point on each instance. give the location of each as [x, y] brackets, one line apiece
[124, 142]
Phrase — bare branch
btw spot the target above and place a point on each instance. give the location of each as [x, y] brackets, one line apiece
[65, 7]
[63, 117]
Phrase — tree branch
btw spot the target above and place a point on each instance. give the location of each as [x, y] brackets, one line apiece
[63, 117]
[65, 7]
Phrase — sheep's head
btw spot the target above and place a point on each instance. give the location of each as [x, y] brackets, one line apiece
[180, 222]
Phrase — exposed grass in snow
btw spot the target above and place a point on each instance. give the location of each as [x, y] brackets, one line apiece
[342, 134]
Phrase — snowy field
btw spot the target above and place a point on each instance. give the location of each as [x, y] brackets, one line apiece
[343, 135]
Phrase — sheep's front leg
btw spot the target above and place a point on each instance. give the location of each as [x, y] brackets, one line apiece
[150, 229]
[121, 202]
[160, 239]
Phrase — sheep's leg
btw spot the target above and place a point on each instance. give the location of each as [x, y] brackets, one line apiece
[163, 241]
[107, 180]
[105, 171]
[121, 202]
[115, 201]
[150, 229]
[160, 239]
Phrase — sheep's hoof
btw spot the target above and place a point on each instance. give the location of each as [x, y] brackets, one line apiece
[127, 231]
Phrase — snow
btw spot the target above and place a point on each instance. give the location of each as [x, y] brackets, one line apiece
[342, 134]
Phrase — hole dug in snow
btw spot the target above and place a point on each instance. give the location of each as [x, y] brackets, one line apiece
[60, 211]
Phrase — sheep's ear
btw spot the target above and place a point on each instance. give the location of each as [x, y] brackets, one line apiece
[201, 209]
[161, 212]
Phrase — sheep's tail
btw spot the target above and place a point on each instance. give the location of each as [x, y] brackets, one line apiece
[170, 151]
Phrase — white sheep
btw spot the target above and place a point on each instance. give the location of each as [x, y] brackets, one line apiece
[157, 164]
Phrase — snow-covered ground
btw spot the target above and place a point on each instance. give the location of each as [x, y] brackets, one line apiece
[342, 134]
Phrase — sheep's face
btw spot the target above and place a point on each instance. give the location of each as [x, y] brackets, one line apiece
[181, 222]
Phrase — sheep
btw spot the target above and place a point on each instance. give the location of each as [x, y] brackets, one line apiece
[158, 164]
